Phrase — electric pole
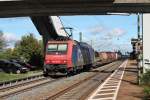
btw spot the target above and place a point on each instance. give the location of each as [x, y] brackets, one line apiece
[91, 43]
[138, 25]
[80, 36]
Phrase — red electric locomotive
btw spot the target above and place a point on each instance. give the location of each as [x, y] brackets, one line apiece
[67, 57]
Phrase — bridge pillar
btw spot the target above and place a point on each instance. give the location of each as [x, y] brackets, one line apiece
[45, 27]
[146, 46]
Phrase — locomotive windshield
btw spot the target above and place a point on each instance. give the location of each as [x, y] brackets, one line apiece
[56, 48]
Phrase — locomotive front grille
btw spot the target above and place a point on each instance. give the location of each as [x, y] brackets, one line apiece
[56, 68]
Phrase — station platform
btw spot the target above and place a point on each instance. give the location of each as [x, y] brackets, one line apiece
[129, 89]
[121, 85]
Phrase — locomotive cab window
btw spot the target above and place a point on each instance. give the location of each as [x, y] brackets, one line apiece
[62, 47]
[52, 47]
[57, 48]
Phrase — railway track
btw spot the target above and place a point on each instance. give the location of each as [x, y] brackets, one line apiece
[101, 77]
[74, 91]
[28, 86]
[14, 83]
[24, 86]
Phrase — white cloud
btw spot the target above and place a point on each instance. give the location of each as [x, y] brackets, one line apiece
[96, 29]
[110, 46]
[106, 33]
[104, 38]
[106, 41]
[117, 32]
[10, 37]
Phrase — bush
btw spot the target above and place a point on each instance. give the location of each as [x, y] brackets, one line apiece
[145, 79]
[7, 54]
[147, 92]
[28, 49]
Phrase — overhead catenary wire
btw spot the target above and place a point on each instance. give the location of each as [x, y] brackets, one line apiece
[70, 24]
[78, 30]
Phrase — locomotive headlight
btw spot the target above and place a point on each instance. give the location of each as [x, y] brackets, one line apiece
[65, 61]
[47, 61]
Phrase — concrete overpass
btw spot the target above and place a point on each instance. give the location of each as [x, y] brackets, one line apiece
[11, 8]
[40, 10]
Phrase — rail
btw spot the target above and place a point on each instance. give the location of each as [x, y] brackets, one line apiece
[14, 82]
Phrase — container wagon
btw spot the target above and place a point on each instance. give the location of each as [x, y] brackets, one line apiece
[109, 56]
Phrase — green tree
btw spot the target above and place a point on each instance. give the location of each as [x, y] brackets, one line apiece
[2, 41]
[7, 54]
[4, 52]
[29, 49]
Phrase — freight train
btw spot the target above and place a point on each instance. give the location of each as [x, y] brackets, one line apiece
[70, 56]
[67, 57]
[106, 57]
[109, 56]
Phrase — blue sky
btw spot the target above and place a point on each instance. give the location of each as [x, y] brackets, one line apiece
[108, 33]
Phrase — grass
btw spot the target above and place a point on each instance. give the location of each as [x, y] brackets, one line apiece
[8, 77]
[145, 82]
[146, 92]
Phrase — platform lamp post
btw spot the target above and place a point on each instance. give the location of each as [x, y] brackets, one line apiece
[137, 53]
[138, 26]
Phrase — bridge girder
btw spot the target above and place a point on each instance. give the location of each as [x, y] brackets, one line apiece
[41, 9]
[14, 8]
